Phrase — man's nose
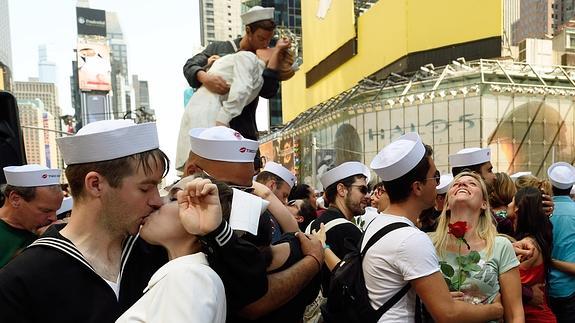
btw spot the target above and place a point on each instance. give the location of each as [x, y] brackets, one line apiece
[156, 201]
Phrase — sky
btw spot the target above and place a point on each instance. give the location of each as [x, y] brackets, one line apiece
[160, 37]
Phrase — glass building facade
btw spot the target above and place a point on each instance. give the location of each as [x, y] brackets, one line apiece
[523, 113]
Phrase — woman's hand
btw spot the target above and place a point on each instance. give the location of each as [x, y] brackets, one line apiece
[200, 209]
[283, 43]
[457, 296]
[320, 235]
[261, 190]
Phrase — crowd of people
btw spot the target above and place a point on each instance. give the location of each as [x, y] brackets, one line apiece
[233, 241]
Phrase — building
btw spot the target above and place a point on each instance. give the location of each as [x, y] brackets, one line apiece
[521, 111]
[360, 47]
[5, 47]
[47, 71]
[47, 94]
[121, 98]
[540, 19]
[564, 45]
[564, 10]
[39, 131]
[355, 62]
[91, 81]
[219, 20]
[143, 112]
[536, 51]
[511, 11]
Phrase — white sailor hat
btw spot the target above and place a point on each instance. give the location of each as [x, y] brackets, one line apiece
[444, 182]
[515, 176]
[561, 175]
[66, 206]
[280, 171]
[257, 13]
[223, 144]
[31, 176]
[107, 140]
[470, 157]
[342, 171]
[399, 157]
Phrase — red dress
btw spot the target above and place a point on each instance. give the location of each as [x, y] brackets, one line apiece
[529, 277]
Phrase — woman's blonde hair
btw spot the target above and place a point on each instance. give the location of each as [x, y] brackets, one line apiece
[532, 181]
[486, 230]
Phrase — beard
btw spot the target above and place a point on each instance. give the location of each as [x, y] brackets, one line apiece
[356, 208]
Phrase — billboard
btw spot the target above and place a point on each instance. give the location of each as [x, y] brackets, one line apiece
[94, 67]
[91, 21]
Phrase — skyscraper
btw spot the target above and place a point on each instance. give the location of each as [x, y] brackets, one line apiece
[5, 47]
[219, 20]
[541, 18]
[46, 69]
[536, 20]
[511, 11]
[143, 112]
[119, 59]
[38, 129]
[47, 94]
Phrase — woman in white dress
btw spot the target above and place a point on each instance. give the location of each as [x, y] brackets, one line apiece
[185, 289]
[243, 71]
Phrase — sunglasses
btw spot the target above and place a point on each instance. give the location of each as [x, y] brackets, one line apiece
[362, 188]
[437, 177]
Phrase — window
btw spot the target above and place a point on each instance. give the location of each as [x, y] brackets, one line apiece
[210, 20]
[209, 5]
[210, 28]
[211, 35]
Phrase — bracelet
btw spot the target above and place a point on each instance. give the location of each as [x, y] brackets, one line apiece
[326, 246]
[317, 260]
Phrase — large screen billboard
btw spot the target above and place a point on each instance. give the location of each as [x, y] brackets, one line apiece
[94, 68]
[91, 21]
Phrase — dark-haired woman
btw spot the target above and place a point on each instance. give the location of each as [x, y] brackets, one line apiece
[534, 225]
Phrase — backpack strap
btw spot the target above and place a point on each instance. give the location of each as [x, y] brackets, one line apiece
[383, 231]
[329, 225]
[378, 235]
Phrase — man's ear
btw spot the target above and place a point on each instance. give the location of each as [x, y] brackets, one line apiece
[15, 199]
[417, 188]
[190, 168]
[248, 30]
[93, 184]
[341, 190]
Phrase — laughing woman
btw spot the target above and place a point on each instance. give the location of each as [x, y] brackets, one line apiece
[466, 226]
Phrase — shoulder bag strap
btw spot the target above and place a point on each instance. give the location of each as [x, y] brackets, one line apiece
[378, 235]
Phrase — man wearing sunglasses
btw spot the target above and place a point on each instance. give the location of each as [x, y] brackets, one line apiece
[347, 193]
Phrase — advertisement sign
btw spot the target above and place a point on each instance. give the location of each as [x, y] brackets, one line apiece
[94, 67]
[91, 21]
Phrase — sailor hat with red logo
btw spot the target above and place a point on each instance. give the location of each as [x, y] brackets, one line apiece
[222, 144]
[31, 176]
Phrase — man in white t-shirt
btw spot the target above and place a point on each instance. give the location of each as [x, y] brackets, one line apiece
[406, 255]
